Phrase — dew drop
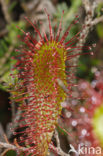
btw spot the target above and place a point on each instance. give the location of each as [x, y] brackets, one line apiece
[84, 132]
[90, 48]
[68, 114]
[94, 69]
[92, 53]
[82, 109]
[83, 86]
[74, 123]
[11, 129]
[94, 100]
[27, 33]
[64, 104]
[94, 45]
[97, 73]
[32, 150]
[93, 83]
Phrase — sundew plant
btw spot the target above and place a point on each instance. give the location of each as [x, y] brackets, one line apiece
[40, 69]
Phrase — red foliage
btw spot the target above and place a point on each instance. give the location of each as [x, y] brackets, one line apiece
[79, 120]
